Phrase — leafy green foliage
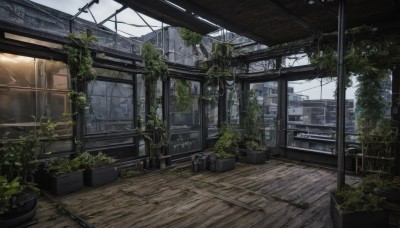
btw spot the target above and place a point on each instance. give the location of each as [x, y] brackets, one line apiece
[19, 158]
[160, 137]
[183, 95]
[78, 98]
[227, 143]
[60, 166]
[155, 68]
[89, 161]
[355, 199]
[367, 196]
[80, 60]
[154, 121]
[253, 119]
[380, 183]
[190, 37]
[368, 56]
[221, 57]
[8, 189]
[370, 101]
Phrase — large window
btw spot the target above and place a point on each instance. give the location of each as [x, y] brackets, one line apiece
[33, 87]
[210, 99]
[184, 116]
[232, 103]
[312, 114]
[110, 107]
[267, 97]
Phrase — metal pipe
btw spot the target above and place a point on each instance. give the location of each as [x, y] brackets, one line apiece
[116, 23]
[341, 96]
[112, 15]
[146, 23]
[162, 38]
[88, 5]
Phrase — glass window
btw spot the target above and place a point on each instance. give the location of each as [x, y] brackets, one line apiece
[211, 105]
[233, 103]
[312, 114]
[110, 107]
[184, 116]
[141, 103]
[267, 97]
[33, 87]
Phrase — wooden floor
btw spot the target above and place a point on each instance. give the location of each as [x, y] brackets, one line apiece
[275, 194]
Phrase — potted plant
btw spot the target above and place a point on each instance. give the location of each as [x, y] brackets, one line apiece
[158, 138]
[256, 153]
[225, 150]
[359, 206]
[18, 163]
[99, 169]
[65, 175]
[385, 185]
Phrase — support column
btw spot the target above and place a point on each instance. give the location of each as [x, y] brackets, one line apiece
[341, 92]
[396, 107]
[281, 125]
[222, 104]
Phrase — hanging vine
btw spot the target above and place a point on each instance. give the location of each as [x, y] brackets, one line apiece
[221, 61]
[253, 118]
[368, 56]
[80, 60]
[80, 63]
[155, 68]
[78, 98]
[183, 95]
[190, 37]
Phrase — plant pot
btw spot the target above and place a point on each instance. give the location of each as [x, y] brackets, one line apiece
[203, 163]
[24, 210]
[224, 164]
[100, 176]
[255, 157]
[242, 155]
[67, 183]
[267, 153]
[43, 179]
[365, 219]
[213, 163]
[391, 196]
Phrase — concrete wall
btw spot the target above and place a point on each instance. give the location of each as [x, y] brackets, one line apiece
[45, 19]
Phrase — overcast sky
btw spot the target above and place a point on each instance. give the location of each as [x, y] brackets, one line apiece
[103, 10]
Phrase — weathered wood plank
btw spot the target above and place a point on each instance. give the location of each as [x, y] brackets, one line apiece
[249, 196]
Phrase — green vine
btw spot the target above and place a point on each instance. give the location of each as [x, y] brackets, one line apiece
[368, 56]
[80, 60]
[221, 58]
[183, 95]
[190, 37]
[159, 137]
[252, 121]
[78, 98]
[155, 68]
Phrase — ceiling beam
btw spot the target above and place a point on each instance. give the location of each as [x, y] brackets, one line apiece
[169, 14]
[191, 6]
[296, 18]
